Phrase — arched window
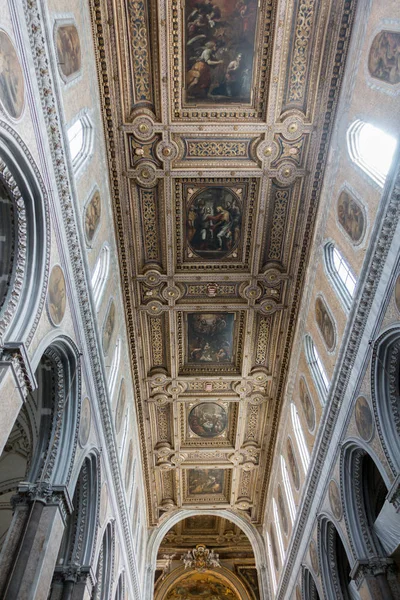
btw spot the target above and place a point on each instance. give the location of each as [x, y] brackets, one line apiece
[340, 274]
[271, 564]
[288, 490]
[112, 378]
[100, 274]
[316, 367]
[125, 435]
[301, 442]
[80, 139]
[371, 148]
[278, 531]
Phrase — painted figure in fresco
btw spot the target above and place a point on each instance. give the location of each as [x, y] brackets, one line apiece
[363, 418]
[207, 481]
[384, 57]
[307, 405]
[109, 328]
[11, 78]
[57, 295]
[210, 337]
[208, 420]
[68, 50]
[214, 221]
[92, 216]
[325, 324]
[350, 217]
[219, 42]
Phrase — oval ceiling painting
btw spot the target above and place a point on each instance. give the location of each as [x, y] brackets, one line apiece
[208, 419]
[202, 586]
[214, 223]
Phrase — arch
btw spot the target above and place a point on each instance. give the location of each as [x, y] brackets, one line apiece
[26, 268]
[100, 274]
[309, 586]
[316, 367]
[361, 509]
[371, 149]
[157, 535]
[223, 575]
[45, 438]
[335, 565]
[79, 539]
[120, 591]
[340, 274]
[385, 392]
[299, 435]
[105, 565]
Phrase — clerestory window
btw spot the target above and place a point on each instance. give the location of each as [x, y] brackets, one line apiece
[278, 531]
[80, 138]
[100, 274]
[371, 148]
[316, 367]
[288, 490]
[300, 439]
[340, 274]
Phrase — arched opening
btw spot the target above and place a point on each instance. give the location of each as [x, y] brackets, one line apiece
[72, 572]
[100, 274]
[340, 274]
[182, 562]
[386, 394]
[24, 240]
[232, 527]
[105, 565]
[37, 459]
[120, 591]
[317, 368]
[372, 522]
[336, 569]
[310, 590]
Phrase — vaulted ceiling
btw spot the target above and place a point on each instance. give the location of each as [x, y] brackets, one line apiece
[217, 116]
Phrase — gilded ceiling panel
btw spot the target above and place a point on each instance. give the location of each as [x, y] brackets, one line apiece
[217, 116]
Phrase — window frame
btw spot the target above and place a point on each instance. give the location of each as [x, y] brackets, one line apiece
[337, 281]
[358, 157]
[86, 149]
[300, 439]
[317, 369]
[288, 490]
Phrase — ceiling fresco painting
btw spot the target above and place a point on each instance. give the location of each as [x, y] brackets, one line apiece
[217, 116]
[219, 47]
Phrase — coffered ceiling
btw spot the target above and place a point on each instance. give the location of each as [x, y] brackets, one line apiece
[217, 116]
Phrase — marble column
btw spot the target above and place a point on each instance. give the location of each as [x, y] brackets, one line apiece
[30, 550]
[370, 577]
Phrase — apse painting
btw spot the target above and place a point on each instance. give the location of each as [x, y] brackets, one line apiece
[68, 50]
[210, 337]
[200, 522]
[12, 88]
[384, 57]
[219, 45]
[202, 586]
[351, 217]
[208, 420]
[206, 481]
[214, 223]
